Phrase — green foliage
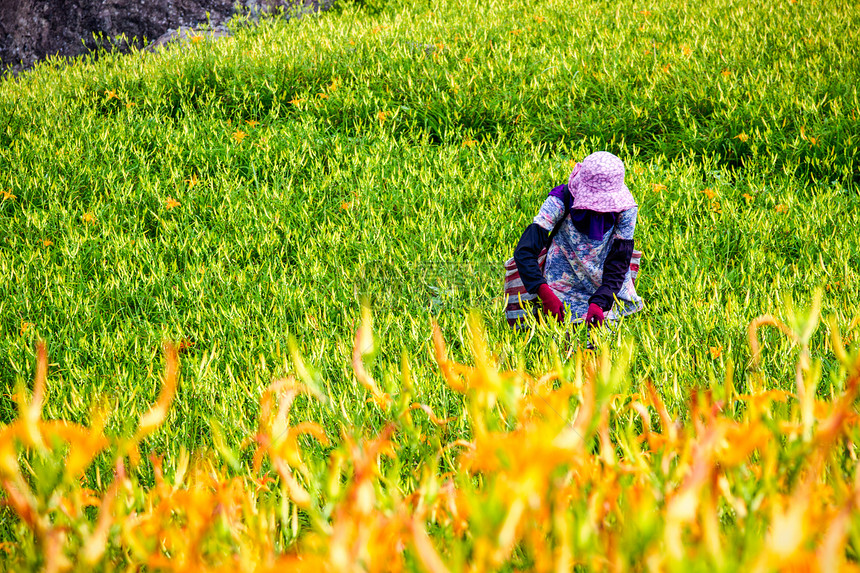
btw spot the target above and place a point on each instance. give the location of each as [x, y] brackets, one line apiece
[231, 194]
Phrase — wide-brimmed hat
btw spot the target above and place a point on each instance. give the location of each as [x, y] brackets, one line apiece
[597, 184]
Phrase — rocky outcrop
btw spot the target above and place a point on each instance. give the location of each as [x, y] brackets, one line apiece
[31, 30]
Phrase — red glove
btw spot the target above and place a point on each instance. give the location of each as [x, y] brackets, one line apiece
[594, 316]
[551, 304]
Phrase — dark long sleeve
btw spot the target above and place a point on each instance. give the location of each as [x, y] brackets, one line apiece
[533, 241]
[614, 270]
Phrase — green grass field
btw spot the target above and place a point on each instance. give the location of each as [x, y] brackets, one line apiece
[244, 196]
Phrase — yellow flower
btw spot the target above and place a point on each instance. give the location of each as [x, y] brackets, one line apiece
[47, 242]
[88, 217]
[742, 136]
[239, 135]
[171, 203]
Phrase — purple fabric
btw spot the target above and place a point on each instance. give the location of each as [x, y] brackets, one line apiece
[591, 223]
[598, 184]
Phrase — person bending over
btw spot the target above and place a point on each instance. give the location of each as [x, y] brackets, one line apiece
[587, 268]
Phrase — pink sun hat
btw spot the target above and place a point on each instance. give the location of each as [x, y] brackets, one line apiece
[597, 184]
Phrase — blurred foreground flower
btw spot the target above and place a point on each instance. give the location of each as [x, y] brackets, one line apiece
[581, 467]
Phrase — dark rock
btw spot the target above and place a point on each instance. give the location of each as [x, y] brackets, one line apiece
[31, 30]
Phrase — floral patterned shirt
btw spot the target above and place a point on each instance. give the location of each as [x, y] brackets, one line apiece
[574, 262]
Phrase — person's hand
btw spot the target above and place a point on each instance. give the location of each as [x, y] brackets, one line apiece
[551, 304]
[594, 316]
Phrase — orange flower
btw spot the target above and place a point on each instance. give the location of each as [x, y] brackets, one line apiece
[710, 193]
[540, 19]
[726, 73]
[516, 32]
[196, 38]
[47, 242]
[296, 101]
[8, 195]
[781, 208]
[88, 217]
[686, 50]
[345, 206]
[192, 181]
[322, 95]
[716, 351]
[747, 197]
[171, 203]
[25, 328]
[239, 135]
[470, 143]
[658, 187]
[742, 136]
[253, 123]
[467, 60]
[381, 116]
[111, 94]
[130, 105]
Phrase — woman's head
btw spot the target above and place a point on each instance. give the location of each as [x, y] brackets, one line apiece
[597, 184]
